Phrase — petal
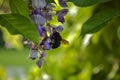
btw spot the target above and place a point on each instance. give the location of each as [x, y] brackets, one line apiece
[34, 47]
[43, 54]
[46, 15]
[49, 17]
[40, 20]
[33, 54]
[40, 30]
[35, 3]
[59, 28]
[62, 3]
[39, 63]
[61, 18]
[42, 3]
[64, 11]
[43, 13]
[50, 6]
[47, 46]
[38, 3]
[36, 11]
[44, 45]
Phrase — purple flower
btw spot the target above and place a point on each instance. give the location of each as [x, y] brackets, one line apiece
[46, 15]
[50, 6]
[40, 20]
[34, 47]
[39, 62]
[49, 17]
[43, 54]
[42, 3]
[38, 3]
[33, 54]
[61, 18]
[62, 3]
[47, 46]
[36, 11]
[41, 15]
[64, 11]
[59, 28]
[40, 30]
[34, 3]
[61, 14]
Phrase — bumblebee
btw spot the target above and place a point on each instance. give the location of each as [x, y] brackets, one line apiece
[56, 40]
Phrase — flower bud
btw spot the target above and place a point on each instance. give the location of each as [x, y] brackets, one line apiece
[59, 28]
[61, 18]
[33, 54]
[62, 3]
[40, 30]
[38, 19]
[38, 3]
[47, 46]
[43, 54]
[41, 3]
[39, 62]
[35, 4]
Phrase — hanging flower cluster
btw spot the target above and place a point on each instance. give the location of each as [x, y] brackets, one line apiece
[41, 13]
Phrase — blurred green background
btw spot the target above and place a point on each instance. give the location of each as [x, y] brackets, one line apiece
[92, 57]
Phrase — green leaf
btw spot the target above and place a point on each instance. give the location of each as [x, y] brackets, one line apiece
[118, 32]
[18, 24]
[50, 1]
[85, 3]
[99, 20]
[19, 7]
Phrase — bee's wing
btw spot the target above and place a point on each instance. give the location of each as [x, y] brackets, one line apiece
[64, 42]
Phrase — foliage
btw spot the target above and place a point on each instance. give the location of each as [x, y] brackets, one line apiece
[16, 24]
[16, 21]
[85, 3]
[19, 7]
[99, 20]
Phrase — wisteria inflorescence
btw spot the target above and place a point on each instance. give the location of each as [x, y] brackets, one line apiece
[41, 14]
